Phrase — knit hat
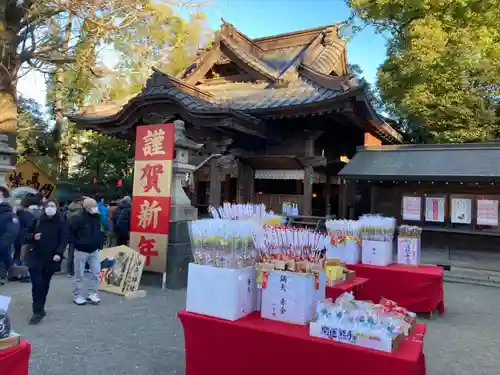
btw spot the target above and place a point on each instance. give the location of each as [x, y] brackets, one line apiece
[89, 203]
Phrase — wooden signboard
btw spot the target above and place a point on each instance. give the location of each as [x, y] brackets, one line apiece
[121, 270]
[151, 199]
[31, 175]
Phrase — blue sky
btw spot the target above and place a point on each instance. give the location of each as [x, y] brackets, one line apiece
[257, 18]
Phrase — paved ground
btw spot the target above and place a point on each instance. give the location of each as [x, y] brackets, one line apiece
[144, 337]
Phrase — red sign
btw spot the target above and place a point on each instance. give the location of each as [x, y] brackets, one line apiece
[150, 214]
[155, 142]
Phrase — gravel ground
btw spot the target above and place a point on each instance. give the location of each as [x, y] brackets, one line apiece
[144, 336]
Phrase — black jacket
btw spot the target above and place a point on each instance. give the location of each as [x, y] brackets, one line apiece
[53, 241]
[9, 226]
[121, 218]
[26, 219]
[85, 232]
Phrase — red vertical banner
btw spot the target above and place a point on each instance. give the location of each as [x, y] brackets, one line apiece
[150, 220]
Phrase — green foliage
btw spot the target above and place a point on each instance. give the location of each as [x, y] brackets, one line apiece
[106, 158]
[443, 65]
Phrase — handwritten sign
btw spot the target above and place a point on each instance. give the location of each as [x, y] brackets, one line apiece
[338, 334]
[151, 199]
[121, 270]
[31, 175]
[412, 208]
[461, 210]
[487, 212]
[434, 209]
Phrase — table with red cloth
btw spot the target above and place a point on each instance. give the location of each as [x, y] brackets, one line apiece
[353, 286]
[416, 288]
[15, 360]
[253, 345]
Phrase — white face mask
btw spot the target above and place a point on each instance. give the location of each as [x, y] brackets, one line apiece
[50, 211]
[93, 210]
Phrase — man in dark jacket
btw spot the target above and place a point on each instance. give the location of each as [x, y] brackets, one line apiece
[26, 219]
[121, 221]
[87, 238]
[9, 228]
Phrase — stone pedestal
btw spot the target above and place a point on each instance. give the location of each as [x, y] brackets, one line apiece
[181, 213]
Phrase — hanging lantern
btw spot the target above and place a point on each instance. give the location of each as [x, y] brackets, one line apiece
[95, 180]
[119, 183]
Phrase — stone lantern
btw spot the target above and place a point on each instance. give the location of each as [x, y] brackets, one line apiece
[181, 212]
[6, 155]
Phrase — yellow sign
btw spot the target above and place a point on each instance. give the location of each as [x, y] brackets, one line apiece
[29, 174]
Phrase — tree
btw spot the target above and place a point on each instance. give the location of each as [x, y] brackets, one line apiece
[32, 35]
[443, 65]
[161, 38]
[107, 159]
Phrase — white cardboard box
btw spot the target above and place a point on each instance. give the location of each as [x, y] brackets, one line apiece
[221, 292]
[376, 253]
[353, 337]
[408, 250]
[348, 252]
[291, 296]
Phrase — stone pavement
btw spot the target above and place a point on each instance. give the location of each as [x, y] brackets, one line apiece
[144, 336]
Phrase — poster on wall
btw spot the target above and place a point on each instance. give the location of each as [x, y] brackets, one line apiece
[412, 208]
[461, 210]
[487, 212]
[434, 209]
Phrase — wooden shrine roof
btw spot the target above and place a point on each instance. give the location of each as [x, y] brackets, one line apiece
[289, 75]
[451, 162]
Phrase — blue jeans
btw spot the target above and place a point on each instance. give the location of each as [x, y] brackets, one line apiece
[80, 258]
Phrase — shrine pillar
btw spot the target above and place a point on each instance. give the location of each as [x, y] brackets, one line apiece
[181, 213]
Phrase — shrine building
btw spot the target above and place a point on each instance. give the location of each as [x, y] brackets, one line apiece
[281, 116]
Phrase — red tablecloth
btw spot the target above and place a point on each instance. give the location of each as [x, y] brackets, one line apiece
[419, 289]
[15, 361]
[353, 286]
[252, 345]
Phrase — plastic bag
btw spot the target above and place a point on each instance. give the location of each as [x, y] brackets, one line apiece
[5, 328]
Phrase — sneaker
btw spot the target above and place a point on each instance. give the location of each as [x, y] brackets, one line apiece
[93, 298]
[2, 281]
[70, 276]
[80, 301]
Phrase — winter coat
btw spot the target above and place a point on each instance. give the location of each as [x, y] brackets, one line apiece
[85, 232]
[53, 241]
[9, 227]
[121, 218]
[26, 219]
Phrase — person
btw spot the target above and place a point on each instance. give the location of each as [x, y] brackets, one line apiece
[48, 238]
[103, 213]
[75, 208]
[121, 221]
[26, 218]
[88, 238]
[111, 234]
[9, 228]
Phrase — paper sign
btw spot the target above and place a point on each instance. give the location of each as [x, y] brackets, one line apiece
[487, 212]
[434, 209]
[4, 303]
[412, 208]
[461, 210]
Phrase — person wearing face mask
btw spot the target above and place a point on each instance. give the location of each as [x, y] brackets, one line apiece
[87, 238]
[9, 228]
[48, 238]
